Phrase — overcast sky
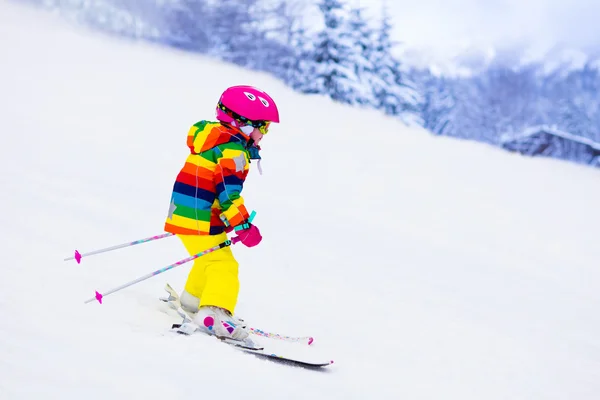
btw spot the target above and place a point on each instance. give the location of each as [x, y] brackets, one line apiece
[444, 27]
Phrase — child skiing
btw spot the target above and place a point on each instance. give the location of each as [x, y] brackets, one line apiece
[206, 204]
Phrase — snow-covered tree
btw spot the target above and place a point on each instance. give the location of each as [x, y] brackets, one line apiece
[362, 35]
[576, 101]
[393, 90]
[331, 67]
[507, 99]
[283, 37]
[438, 100]
[299, 67]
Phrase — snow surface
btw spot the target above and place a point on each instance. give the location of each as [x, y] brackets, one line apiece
[426, 267]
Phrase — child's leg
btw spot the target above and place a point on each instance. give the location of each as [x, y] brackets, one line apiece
[214, 276]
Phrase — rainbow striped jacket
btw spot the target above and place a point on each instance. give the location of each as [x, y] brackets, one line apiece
[207, 189]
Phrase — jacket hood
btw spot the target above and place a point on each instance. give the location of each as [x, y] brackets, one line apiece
[205, 135]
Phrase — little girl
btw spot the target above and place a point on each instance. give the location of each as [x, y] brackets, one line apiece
[206, 204]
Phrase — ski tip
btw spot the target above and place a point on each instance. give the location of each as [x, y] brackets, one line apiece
[310, 340]
[99, 297]
[77, 257]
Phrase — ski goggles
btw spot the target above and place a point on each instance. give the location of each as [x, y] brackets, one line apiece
[263, 126]
[264, 129]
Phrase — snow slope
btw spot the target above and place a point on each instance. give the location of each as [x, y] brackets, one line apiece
[426, 267]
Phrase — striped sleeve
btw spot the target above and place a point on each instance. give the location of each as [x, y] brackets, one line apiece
[230, 174]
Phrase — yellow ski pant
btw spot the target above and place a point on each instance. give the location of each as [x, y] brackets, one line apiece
[214, 276]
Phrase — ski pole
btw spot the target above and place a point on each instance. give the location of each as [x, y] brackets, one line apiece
[78, 255]
[100, 296]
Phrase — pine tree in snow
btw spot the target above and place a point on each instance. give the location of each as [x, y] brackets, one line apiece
[576, 102]
[393, 90]
[364, 68]
[285, 39]
[506, 99]
[300, 66]
[464, 118]
[331, 64]
[438, 101]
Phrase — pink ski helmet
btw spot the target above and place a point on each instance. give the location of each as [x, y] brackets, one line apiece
[247, 105]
